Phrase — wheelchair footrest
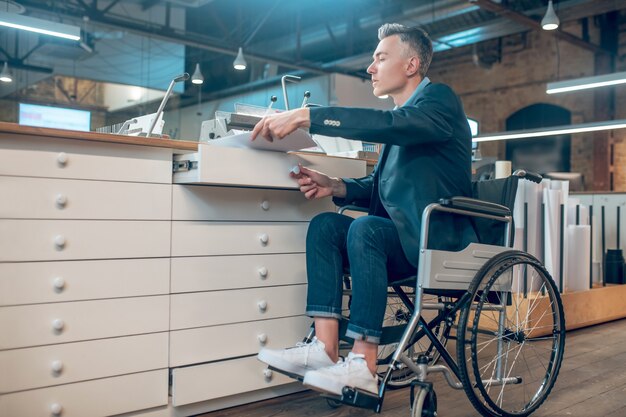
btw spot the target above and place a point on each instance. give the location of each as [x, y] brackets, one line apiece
[289, 374]
[357, 398]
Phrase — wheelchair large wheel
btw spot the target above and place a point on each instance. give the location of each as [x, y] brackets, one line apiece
[396, 314]
[511, 336]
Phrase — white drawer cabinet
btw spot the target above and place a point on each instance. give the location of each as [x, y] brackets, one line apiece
[190, 346]
[43, 240]
[97, 398]
[72, 362]
[227, 238]
[59, 158]
[44, 198]
[109, 274]
[44, 282]
[220, 379]
[191, 202]
[210, 273]
[45, 324]
[235, 306]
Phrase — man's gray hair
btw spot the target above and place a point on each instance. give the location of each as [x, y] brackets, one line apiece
[416, 38]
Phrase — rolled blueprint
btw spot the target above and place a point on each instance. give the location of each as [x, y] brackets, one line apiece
[579, 238]
[503, 169]
[552, 208]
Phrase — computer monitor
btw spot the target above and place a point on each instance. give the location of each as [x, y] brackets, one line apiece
[54, 117]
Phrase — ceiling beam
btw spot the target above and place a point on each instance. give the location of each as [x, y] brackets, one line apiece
[515, 16]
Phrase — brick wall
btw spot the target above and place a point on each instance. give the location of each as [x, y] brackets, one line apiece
[529, 61]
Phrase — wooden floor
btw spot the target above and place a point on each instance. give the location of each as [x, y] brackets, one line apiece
[592, 382]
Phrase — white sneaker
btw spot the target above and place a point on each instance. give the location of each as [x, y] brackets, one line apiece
[299, 359]
[353, 372]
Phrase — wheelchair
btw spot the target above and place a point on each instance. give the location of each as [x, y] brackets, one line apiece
[500, 306]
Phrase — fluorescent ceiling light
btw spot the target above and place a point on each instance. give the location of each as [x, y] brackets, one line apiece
[587, 82]
[553, 131]
[45, 27]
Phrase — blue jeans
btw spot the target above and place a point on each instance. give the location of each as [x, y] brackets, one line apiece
[370, 247]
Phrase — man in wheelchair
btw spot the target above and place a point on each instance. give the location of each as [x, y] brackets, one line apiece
[425, 157]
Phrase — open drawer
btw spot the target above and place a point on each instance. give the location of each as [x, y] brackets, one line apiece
[217, 165]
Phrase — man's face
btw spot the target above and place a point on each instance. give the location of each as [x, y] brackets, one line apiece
[392, 66]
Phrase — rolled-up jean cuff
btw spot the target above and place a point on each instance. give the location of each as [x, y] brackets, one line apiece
[323, 311]
[359, 333]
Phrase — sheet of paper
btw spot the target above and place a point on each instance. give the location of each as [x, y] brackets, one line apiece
[337, 145]
[295, 141]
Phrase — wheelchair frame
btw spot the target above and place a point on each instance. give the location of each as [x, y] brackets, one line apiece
[434, 275]
[482, 209]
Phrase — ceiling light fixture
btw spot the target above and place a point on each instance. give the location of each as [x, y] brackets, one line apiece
[550, 21]
[197, 77]
[587, 82]
[553, 131]
[240, 62]
[5, 75]
[45, 27]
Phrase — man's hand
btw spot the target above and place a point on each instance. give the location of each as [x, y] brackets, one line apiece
[277, 126]
[315, 184]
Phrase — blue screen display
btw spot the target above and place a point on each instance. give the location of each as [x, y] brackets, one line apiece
[54, 117]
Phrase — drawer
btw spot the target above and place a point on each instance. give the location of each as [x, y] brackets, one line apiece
[45, 282]
[45, 324]
[253, 168]
[229, 203]
[72, 362]
[224, 307]
[241, 339]
[97, 398]
[220, 379]
[58, 158]
[227, 238]
[43, 198]
[49, 240]
[211, 273]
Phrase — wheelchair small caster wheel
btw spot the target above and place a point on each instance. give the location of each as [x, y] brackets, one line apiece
[332, 403]
[424, 404]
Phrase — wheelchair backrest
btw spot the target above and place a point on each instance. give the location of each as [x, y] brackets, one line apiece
[500, 191]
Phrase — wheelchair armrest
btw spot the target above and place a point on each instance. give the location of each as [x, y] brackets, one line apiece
[352, 207]
[475, 206]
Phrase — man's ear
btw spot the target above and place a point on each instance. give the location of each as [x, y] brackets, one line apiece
[413, 66]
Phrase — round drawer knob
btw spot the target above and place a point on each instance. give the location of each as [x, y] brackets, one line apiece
[56, 409]
[263, 272]
[262, 306]
[268, 374]
[57, 367]
[264, 238]
[62, 159]
[61, 200]
[59, 241]
[58, 284]
[58, 324]
[265, 205]
[295, 170]
[262, 338]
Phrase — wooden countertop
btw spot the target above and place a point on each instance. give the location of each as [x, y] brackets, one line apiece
[13, 129]
[8, 130]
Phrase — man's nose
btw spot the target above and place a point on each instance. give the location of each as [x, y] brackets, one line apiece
[370, 69]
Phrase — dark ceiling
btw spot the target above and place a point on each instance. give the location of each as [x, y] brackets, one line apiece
[312, 37]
